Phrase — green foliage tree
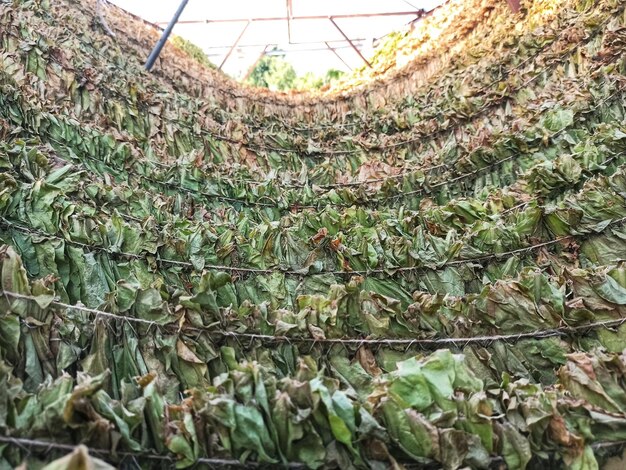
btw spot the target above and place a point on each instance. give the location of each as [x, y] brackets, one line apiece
[273, 72]
[193, 51]
[308, 81]
[277, 74]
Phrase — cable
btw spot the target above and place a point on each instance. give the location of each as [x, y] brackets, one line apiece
[372, 202]
[375, 202]
[138, 220]
[117, 455]
[29, 444]
[261, 271]
[425, 344]
[32, 231]
[304, 272]
[338, 184]
[332, 186]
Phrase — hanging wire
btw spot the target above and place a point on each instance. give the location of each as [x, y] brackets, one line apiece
[424, 344]
[425, 189]
[26, 443]
[477, 262]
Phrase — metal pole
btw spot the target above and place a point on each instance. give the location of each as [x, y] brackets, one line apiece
[289, 17]
[337, 54]
[356, 49]
[256, 62]
[230, 51]
[341, 44]
[166, 34]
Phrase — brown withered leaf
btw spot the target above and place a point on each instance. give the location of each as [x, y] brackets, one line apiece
[368, 361]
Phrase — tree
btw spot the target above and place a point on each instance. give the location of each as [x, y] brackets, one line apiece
[192, 51]
[275, 73]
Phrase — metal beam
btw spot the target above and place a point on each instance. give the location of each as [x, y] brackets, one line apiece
[256, 62]
[417, 13]
[340, 44]
[337, 54]
[356, 49]
[409, 4]
[230, 51]
[166, 34]
[289, 16]
[282, 52]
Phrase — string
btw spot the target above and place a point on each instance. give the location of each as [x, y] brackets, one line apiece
[425, 343]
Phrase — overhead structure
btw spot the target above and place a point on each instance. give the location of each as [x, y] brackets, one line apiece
[350, 29]
[334, 51]
[356, 49]
[166, 34]
[418, 13]
[230, 51]
[348, 39]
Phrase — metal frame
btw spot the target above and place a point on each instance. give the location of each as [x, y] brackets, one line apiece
[267, 50]
[513, 4]
[230, 51]
[289, 18]
[166, 34]
[295, 18]
[340, 43]
[334, 51]
[356, 49]
[256, 62]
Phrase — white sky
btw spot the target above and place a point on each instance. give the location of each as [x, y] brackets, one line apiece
[216, 38]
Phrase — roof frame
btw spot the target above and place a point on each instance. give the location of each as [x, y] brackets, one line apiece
[289, 18]
[232, 48]
[417, 13]
[356, 49]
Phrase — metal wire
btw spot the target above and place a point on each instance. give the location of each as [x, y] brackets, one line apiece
[388, 271]
[26, 443]
[427, 188]
[45, 446]
[424, 344]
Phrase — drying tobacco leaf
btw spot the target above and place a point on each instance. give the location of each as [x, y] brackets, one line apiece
[424, 267]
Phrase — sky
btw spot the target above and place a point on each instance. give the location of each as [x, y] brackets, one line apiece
[217, 38]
